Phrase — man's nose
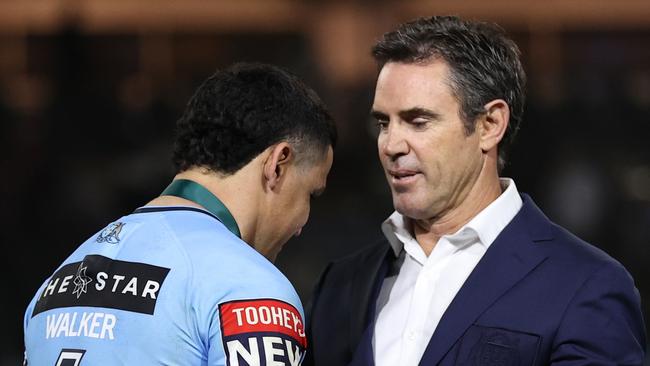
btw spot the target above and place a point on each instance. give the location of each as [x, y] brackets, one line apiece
[393, 143]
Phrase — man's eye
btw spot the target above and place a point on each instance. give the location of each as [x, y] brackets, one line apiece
[382, 124]
[419, 122]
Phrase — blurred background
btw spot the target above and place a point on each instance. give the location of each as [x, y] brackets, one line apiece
[90, 91]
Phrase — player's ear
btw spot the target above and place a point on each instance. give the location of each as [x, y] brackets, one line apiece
[493, 124]
[277, 162]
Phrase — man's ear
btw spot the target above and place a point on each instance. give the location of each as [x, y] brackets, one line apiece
[277, 162]
[493, 124]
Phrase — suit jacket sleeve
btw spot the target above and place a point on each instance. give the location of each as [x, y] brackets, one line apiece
[603, 324]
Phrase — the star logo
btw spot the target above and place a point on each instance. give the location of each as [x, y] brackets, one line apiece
[81, 281]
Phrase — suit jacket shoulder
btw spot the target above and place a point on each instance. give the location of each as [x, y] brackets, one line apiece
[337, 312]
[545, 296]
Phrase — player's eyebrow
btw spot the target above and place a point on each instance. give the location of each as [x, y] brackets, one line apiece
[380, 116]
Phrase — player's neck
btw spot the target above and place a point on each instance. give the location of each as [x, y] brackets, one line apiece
[235, 191]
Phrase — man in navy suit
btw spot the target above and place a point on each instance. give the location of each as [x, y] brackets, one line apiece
[471, 272]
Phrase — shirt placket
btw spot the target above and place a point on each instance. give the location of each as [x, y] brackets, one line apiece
[423, 291]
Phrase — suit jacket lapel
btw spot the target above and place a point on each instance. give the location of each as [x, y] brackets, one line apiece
[509, 259]
[367, 281]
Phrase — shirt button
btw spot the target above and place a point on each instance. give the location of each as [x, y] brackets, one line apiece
[411, 336]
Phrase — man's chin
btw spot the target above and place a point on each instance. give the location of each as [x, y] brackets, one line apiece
[411, 210]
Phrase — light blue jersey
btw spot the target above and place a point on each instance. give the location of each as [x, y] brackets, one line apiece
[165, 286]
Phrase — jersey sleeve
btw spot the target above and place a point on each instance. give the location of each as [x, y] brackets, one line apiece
[256, 329]
[27, 319]
[246, 312]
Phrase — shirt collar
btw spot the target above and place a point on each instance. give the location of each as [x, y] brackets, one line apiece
[485, 226]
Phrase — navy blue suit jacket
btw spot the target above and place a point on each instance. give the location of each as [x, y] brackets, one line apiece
[539, 296]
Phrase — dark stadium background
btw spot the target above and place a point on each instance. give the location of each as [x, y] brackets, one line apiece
[90, 91]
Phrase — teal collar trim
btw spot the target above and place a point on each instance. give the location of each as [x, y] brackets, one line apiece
[200, 195]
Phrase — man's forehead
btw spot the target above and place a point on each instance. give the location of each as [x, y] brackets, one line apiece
[411, 87]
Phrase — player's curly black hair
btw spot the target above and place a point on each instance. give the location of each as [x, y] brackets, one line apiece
[240, 111]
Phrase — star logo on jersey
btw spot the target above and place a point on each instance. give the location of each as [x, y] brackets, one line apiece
[81, 281]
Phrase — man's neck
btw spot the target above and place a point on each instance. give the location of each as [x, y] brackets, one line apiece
[485, 190]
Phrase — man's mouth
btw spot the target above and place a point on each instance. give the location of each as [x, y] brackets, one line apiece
[402, 176]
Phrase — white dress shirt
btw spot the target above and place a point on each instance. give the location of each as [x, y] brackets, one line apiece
[418, 289]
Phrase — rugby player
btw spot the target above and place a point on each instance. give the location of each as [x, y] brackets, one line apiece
[188, 278]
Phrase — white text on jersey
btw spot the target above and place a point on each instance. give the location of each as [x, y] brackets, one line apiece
[93, 325]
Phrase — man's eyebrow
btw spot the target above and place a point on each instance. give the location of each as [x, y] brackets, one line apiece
[408, 114]
[412, 113]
